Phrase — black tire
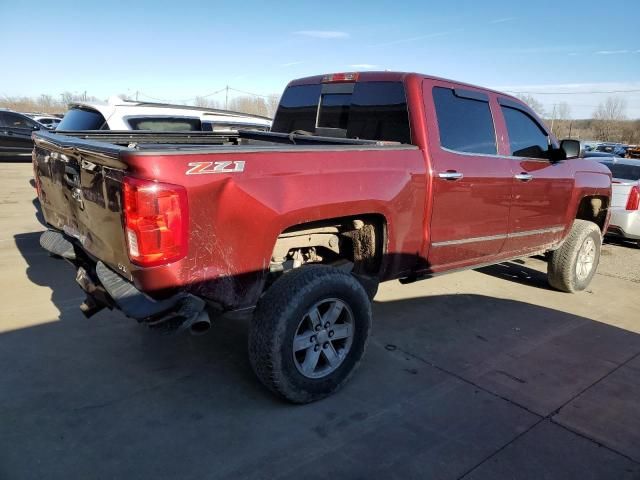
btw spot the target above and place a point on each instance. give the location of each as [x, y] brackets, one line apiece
[277, 319]
[563, 262]
[370, 284]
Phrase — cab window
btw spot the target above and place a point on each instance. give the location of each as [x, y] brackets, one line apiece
[465, 123]
[18, 121]
[526, 137]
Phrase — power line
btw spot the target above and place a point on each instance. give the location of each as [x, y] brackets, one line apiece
[204, 96]
[153, 98]
[248, 93]
[184, 100]
[575, 93]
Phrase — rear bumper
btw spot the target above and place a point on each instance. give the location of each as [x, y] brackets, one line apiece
[106, 288]
[625, 223]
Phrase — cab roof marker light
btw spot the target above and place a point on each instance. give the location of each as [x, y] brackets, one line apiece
[341, 77]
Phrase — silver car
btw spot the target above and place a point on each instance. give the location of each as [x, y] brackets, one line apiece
[625, 201]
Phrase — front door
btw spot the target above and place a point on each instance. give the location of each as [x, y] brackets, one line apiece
[472, 184]
[542, 189]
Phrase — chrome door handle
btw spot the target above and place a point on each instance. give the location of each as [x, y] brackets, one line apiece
[450, 175]
[524, 177]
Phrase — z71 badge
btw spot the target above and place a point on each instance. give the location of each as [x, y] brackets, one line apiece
[198, 168]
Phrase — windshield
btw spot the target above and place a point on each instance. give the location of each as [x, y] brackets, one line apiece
[371, 111]
[624, 171]
[83, 119]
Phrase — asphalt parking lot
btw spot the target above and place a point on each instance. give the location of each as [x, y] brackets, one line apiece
[482, 375]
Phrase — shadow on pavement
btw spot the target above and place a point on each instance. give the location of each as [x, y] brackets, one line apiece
[447, 381]
[39, 214]
[622, 242]
[517, 272]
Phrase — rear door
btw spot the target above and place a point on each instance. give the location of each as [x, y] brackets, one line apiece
[542, 189]
[471, 182]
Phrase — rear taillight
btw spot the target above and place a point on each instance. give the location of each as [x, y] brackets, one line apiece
[634, 198]
[156, 221]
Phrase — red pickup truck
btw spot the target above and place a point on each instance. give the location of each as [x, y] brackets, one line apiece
[364, 177]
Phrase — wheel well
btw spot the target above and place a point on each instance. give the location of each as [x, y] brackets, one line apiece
[594, 209]
[358, 240]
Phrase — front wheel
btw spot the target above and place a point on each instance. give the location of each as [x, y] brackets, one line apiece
[309, 332]
[572, 266]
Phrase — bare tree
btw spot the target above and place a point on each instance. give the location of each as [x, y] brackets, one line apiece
[273, 101]
[608, 117]
[251, 105]
[535, 104]
[560, 120]
[47, 102]
[563, 111]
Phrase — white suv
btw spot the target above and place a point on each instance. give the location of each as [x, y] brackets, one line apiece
[120, 114]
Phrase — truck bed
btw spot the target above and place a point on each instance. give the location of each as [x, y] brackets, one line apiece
[80, 179]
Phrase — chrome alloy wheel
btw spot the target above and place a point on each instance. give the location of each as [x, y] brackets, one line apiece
[323, 338]
[586, 259]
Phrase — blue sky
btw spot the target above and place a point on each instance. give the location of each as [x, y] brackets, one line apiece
[177, 50]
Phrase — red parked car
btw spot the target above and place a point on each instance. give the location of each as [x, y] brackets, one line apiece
[364, 178]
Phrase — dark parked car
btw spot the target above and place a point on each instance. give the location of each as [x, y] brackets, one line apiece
[599, 156]
[617, 149]
[15, 136]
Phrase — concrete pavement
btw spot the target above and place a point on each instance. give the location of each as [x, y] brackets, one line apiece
[485, 374]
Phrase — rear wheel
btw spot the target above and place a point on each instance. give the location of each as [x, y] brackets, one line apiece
[309, 332]
[572, 266]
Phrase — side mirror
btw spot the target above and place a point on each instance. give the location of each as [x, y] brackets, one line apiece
[571, 148]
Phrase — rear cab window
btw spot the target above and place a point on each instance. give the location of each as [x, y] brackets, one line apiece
[360, 110]
[83, 119]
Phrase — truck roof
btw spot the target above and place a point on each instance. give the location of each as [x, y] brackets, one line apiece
[117, 109]
[386, 76]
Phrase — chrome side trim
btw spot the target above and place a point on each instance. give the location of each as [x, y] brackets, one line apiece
[469, 240]
[490, 155]
[555, 229]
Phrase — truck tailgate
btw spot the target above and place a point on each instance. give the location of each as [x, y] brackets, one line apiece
[80, 194]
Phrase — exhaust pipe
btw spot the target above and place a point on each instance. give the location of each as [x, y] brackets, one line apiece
[198, 325]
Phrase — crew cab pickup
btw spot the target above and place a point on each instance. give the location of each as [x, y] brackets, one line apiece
[364, 177]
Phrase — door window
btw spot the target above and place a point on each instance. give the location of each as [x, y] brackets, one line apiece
[18, 121]
[526, 137]
[465, 124]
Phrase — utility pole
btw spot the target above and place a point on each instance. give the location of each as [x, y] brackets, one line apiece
[137, 95]
[226, 98]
